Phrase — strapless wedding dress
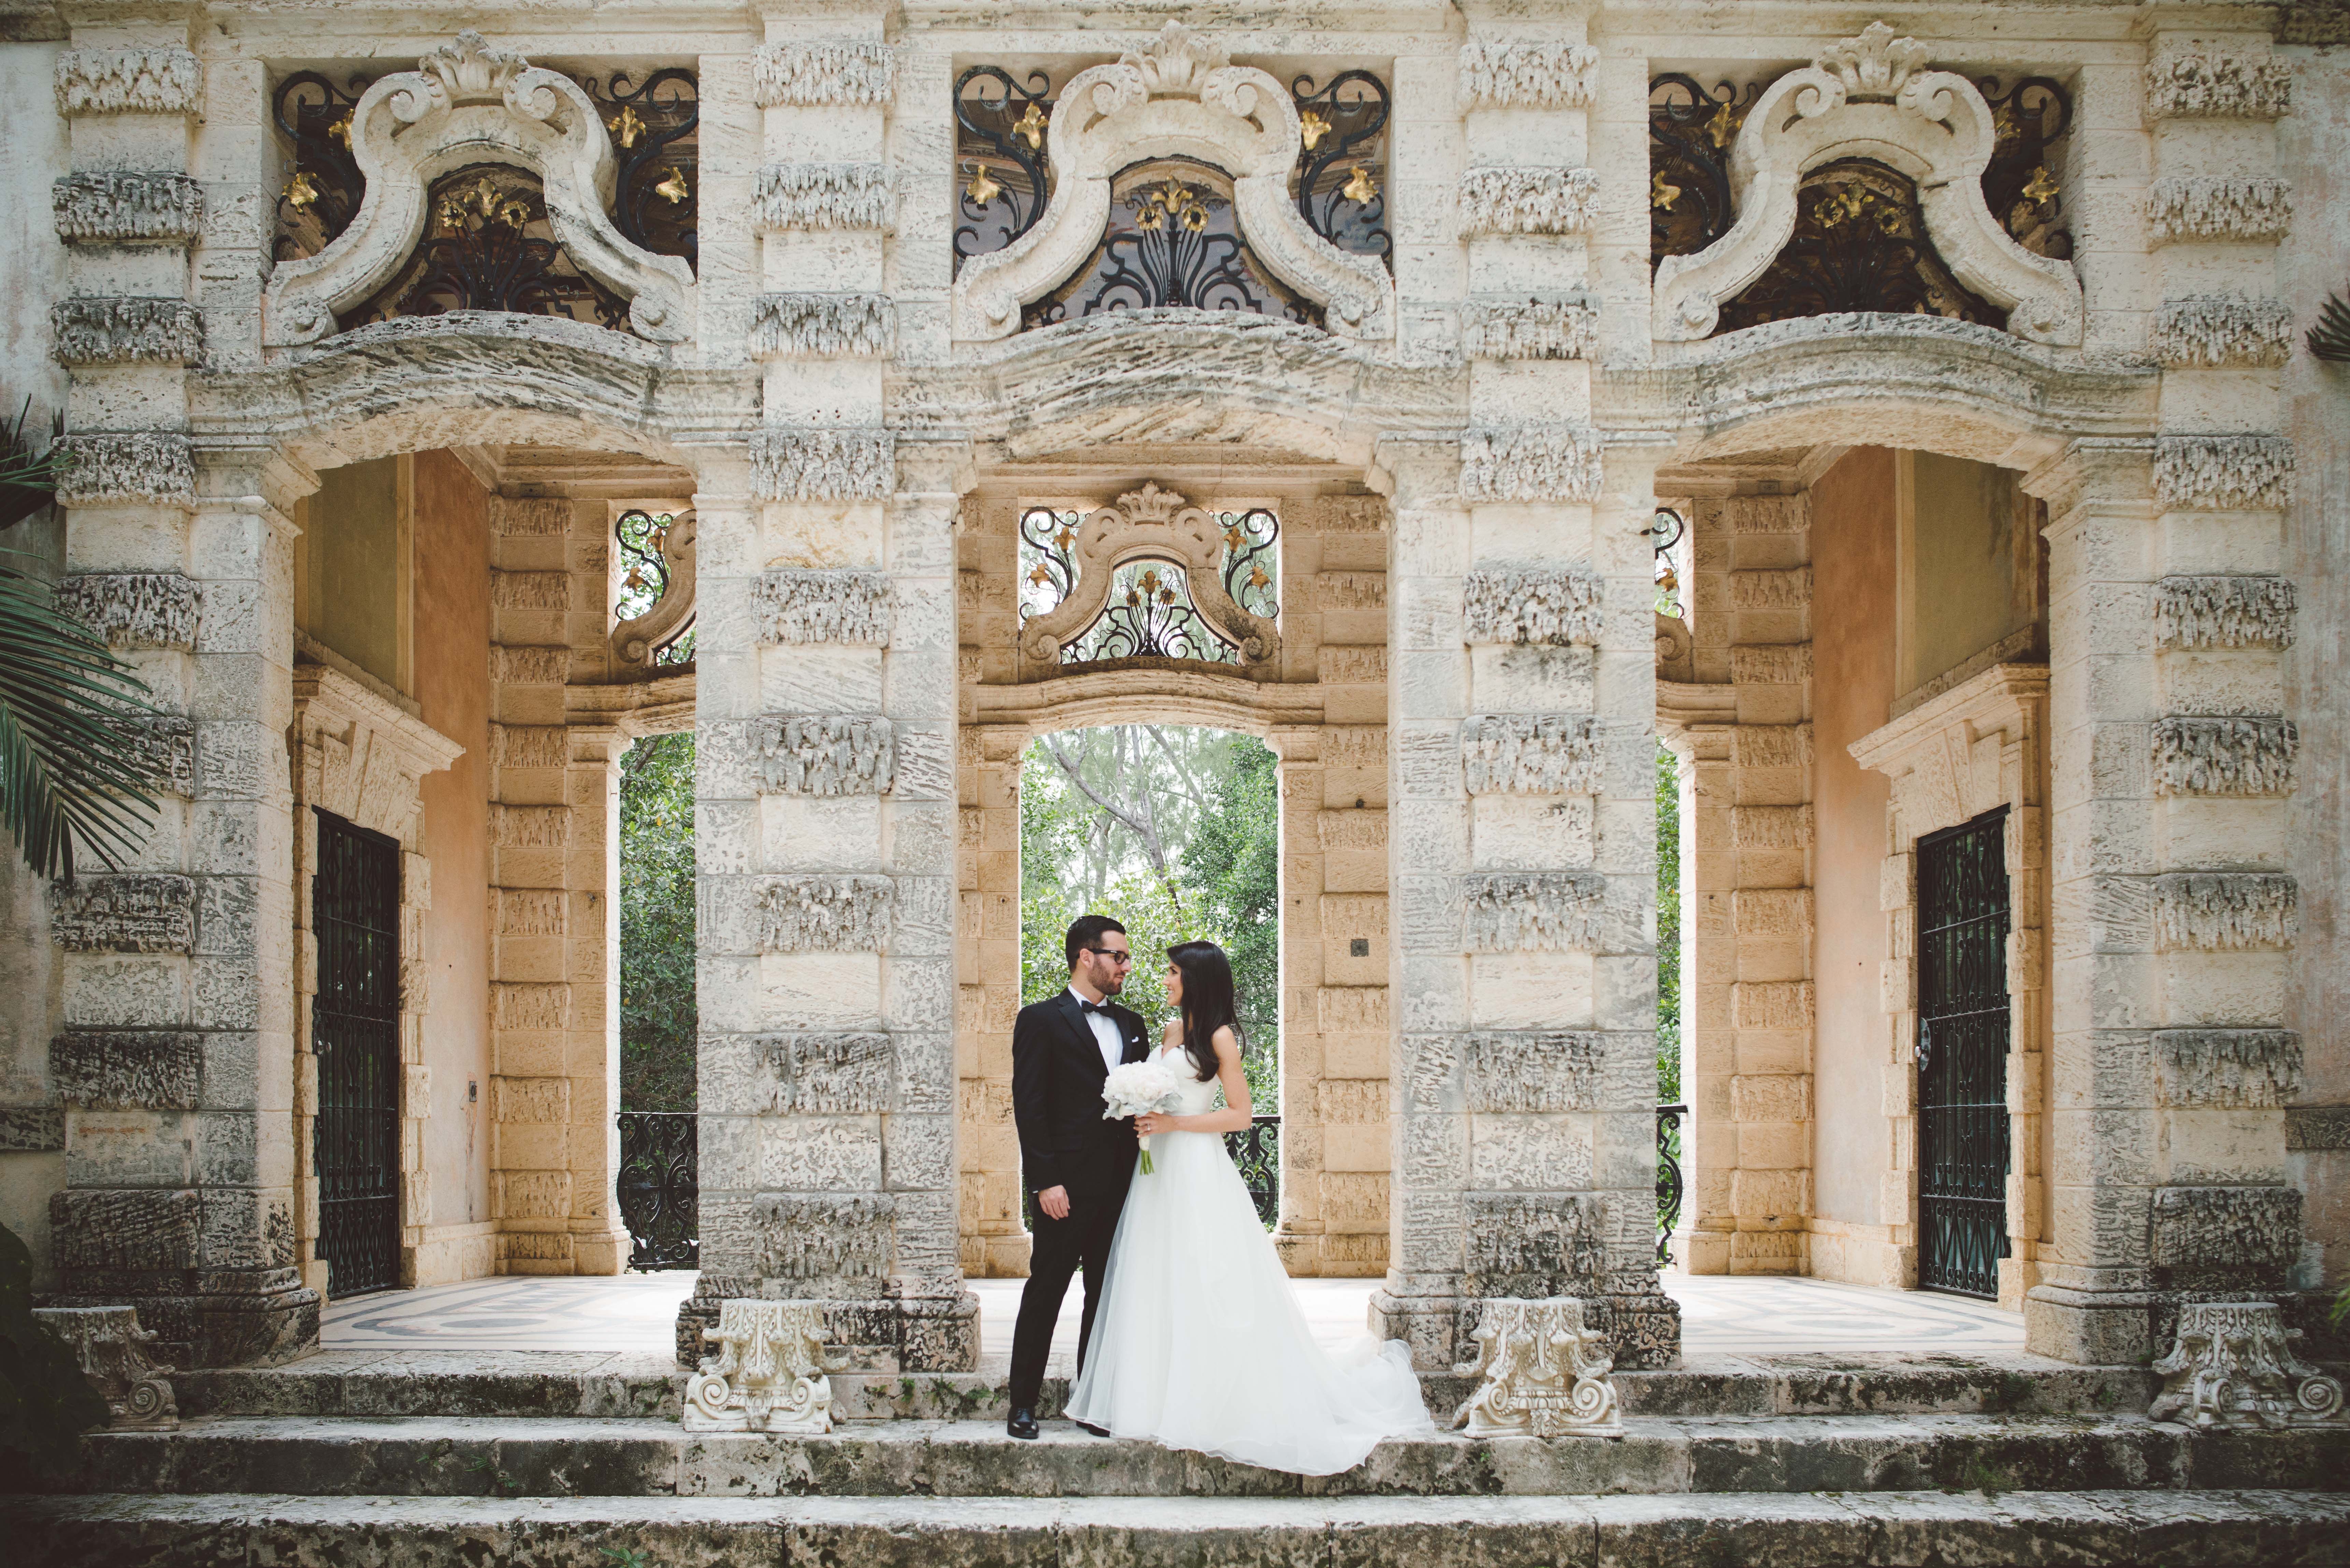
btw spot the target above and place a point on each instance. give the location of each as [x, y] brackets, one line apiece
[1199, 1342]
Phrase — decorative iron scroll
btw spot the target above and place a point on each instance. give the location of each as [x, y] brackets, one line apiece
[654, 610]
[655, 129]
[1173, 239]
[1669, 1186]
[1860, 243]
[1149, 610]
[658, 1189]
[488, 245]
[324, 193]
[1255, 1152]
[1665, 532]
[1002, 172]
[2019, 186]
[1863, 244]
[1339, 168]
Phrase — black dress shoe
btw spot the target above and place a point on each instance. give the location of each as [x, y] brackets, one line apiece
[1096, 1431]
[1022, 1423]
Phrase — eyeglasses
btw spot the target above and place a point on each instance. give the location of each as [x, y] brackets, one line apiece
[1113, 954]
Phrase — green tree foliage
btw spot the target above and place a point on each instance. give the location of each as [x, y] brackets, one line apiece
[1668, 928]
[657, 1017]
[1175, 833]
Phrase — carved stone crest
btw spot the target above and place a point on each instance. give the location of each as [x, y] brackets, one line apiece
[2231, 1365]
[1155, 524]
[769, 1375]
[1544, 1374]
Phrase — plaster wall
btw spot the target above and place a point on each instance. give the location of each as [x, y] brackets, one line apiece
[2315, 155]
[1851, 653]
[452, 607]
[351, 567]
[1968, 577]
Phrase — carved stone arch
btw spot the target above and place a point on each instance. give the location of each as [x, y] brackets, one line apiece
[1866, 97]
[1150, 524]
[467, 103]
[1179, 98]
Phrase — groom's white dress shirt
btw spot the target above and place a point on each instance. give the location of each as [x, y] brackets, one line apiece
[1105, 1035]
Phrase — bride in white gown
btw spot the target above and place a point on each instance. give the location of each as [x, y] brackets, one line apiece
[1199, 1342]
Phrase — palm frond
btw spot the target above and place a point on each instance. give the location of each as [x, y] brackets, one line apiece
[27, 478]
[2330, 338]
[68, 778]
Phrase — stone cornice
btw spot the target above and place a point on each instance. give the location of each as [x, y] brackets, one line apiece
[329, 696]
[2001, 699]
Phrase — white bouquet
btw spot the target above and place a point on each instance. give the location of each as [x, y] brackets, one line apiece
[1138, 1088]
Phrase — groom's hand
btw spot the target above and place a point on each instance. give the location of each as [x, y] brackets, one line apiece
[1055, 1202]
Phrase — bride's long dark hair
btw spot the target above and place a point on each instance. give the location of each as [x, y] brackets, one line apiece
[1206, 1001]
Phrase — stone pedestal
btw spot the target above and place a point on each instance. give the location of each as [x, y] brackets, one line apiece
[2231, 1364]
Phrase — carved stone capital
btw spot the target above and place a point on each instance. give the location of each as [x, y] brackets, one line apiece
[1542, 604]
[2251, 209]
[2196, 612]
[1515, 200]
[813, 463]
[1531, 463]
[2211, 84]
[2227, 755]
[2224, 473]
[826, 72]
[828, 755]
[128, 207]
[153, 466]
[1517, 74]
[824, 196]
[110, 331]
[135, 609]
[2216, 332]
[130, 82]
[769, 1375]
[2223, 911]
[811, 326]
[792, 604]
[2231, 1365]
[112, 1349]
[1565, 328]
[1541, 1372]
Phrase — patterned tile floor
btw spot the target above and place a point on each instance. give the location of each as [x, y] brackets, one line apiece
[1747, 1315]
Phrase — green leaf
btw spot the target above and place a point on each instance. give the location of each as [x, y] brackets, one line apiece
[69, 780]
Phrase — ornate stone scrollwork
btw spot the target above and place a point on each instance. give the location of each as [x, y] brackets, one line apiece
[1869, 97]
[1149, 523]
[1543, 1374]
[1179, 97]
[468, 103]
[112, 1349]
[769, 1375]
[2231, 1365]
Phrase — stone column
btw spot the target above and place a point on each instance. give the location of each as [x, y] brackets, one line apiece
[1771, 1002]
[987, 965]
[176, 1062]
[2173, 759]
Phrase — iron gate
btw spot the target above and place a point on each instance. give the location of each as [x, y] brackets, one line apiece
[1962, 1038]
[660, 1200]
[355, 1031]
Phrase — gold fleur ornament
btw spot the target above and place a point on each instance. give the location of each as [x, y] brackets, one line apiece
[1031, 126]
[982, 188]
[674, 188]
[2040, 186]
[301, 191]
[1661, 195]
[628, 128]
[1312, 127]
[1360, 188]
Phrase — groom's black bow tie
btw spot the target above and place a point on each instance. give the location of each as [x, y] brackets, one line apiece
[1084, 1006]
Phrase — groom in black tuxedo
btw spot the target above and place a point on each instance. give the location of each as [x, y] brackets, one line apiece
[1074, 1162]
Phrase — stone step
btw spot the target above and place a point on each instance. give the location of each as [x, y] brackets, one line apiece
[550, 1457]
[2266, 1528]
[523, 1383]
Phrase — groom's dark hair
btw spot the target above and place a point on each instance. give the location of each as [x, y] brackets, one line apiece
[1084, 932]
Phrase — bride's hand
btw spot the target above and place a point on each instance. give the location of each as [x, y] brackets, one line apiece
[1152, 1122]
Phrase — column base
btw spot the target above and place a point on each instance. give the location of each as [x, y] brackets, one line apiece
[263, 1318]
[1425, 1315]
[920, 1326]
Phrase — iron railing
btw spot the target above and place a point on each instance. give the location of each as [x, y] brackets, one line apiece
[1256, 1152]
[1668, 1179]
[660, 1196]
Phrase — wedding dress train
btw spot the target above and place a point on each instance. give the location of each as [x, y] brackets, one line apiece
[1199, 1342]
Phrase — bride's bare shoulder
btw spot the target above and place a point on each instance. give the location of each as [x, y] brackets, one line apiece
[1172, 1034]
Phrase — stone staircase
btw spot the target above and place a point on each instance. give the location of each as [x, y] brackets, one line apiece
[571, 1462]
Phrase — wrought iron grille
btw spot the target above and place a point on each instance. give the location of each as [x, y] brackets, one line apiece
[1860, 242]
[1173, 239]
[1962, 1039]
[1668, 1179]
[1256, 1154]
[1005, 178]
[1151, 613]
[659, 1190]
[1338, 175]
[1665, 531]
[641, 537]
[488, 245]
[355, 1033]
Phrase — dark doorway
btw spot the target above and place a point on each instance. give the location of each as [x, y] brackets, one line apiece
[355, 1031]
[1962, 1037]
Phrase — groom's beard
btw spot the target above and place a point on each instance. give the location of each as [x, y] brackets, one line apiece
[1111, 983]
